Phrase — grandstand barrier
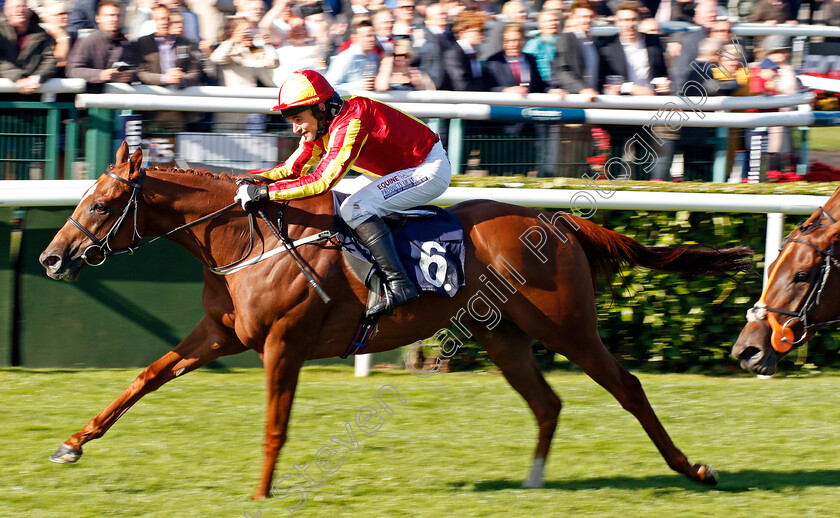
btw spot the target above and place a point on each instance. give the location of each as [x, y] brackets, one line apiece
[30, 131]
[764, 29]
[820, 83]
[738, 29]
[656, 102]
[135, 309]
[49, 88]
[535, 108]
[31, 152]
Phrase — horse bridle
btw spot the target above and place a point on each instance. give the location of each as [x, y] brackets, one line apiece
[781, 333]
[103, 245]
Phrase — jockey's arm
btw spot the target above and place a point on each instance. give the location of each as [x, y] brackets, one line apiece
[305, 156]
[279, 172]
[345, 145]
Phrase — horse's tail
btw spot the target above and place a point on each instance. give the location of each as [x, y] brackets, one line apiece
[608, 250]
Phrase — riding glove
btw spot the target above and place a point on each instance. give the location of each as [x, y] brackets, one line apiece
[247, 194]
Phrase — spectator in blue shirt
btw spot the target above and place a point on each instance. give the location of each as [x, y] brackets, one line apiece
[356, 67]
[544, 45]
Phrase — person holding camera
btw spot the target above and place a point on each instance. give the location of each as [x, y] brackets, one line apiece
[298, 52]
[244, 59]
[356, 67]
[104, 55]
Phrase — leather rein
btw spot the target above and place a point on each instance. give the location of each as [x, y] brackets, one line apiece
[102, 246]
[782, 336]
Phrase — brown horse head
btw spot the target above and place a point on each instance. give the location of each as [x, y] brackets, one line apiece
[98, 226]
[796, 300]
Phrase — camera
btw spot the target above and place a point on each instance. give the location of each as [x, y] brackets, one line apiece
[302, 11]
[121, 66]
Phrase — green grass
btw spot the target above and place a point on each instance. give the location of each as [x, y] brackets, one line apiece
[824, 139]
[459, 447]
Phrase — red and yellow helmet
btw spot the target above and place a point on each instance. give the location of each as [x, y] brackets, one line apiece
[301, 90]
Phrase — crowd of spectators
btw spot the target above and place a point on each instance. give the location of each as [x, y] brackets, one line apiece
[517, 47]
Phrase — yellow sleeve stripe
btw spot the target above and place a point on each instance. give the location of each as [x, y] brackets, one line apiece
[277, 173]
[286, 169]
[334, 170]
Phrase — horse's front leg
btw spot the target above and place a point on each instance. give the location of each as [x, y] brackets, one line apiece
[282, 368]
[204, 344]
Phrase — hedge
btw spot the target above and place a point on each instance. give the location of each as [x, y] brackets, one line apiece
[671, 322]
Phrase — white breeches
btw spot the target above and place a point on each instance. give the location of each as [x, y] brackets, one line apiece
[397, 191]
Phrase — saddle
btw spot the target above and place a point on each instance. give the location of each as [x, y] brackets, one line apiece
[430, 241]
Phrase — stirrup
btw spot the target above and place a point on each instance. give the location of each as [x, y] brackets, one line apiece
[386, 304]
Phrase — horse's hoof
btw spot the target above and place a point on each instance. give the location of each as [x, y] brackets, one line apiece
[707, 474]
[531, 484]
[65, 454]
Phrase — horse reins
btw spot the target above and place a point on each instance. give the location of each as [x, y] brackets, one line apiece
[782, 337]
[103, 245]
[290, 247]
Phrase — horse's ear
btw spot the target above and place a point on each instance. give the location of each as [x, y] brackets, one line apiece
[122, 153]
[136, 159]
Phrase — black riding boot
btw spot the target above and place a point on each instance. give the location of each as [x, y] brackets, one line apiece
[399, 290]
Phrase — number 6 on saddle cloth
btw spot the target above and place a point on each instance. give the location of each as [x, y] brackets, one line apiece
[429, 239]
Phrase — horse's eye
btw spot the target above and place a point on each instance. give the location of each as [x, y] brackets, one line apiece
[100, 208]
[800, 277]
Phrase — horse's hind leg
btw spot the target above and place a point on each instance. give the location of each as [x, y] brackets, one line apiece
[593, 357]
[204, 344]
[510, 348]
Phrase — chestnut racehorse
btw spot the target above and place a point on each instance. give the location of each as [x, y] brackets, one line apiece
[269, 306]
[792, 306]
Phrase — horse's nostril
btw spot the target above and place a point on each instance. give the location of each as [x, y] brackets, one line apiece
[50, 261]
[748, 353]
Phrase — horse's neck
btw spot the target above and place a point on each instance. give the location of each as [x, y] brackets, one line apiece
[832, 206]
[174, 198]
[180, 195]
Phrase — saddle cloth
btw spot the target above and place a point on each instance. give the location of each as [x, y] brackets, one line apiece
[429, 239]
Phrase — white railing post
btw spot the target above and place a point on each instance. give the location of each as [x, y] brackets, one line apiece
[363, 365]
[773, 240]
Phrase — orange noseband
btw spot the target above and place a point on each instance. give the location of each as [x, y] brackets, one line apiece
[782, 337]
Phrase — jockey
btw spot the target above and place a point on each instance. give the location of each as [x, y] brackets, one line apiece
[402, 161]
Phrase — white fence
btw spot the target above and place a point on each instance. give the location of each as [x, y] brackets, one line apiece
[477, 105]
[33, 193]
[22, 193]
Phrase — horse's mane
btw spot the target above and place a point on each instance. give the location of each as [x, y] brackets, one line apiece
[196, 172]
[225, 177]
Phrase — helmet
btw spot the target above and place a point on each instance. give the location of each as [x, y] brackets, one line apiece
[302, 90]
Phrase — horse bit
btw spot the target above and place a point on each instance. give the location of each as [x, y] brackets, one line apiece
[103, 245]
[759, 312]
